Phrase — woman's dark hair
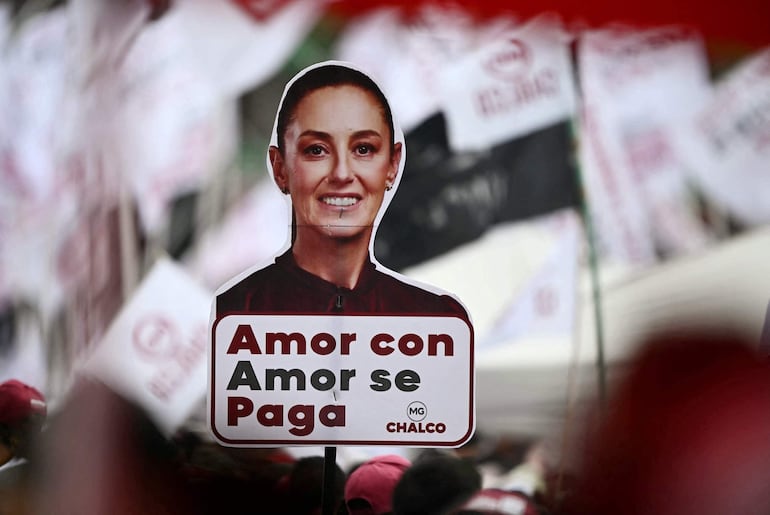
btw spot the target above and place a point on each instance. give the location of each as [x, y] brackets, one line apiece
[327, 76]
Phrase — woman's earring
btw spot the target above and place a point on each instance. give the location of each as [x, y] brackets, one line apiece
[285, 190]
[388, 186]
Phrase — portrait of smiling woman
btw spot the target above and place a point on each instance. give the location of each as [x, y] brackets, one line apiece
[337, 155]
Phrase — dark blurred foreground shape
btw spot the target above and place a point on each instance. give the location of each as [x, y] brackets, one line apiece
[686, 432]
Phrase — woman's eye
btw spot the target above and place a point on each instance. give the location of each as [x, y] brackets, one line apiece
[314, 150]
[363, 150]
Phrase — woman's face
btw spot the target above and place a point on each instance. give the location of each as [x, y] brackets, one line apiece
[336, 162]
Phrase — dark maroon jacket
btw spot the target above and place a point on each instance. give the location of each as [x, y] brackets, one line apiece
[284, 287]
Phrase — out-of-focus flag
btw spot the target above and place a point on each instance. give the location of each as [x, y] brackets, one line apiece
[407, 57]
[516, 83]
[240, 44]
[544, 309]
[38, 196]
[726, 146]
[154, 352]
[637, 88]
[223, 252]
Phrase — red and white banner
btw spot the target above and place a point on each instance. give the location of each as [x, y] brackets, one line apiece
[726, 147]
[517, 83]
[334, 380]
[637, 88]
[154, 352]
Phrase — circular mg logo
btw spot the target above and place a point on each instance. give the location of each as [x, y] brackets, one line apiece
[416, 411]
[511, 61]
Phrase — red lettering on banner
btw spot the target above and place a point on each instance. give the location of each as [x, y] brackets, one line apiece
[175, 369]
[500, 100]
[300, 416]
[412, 344]
[281, 343]
[244, 339]
[238, 407]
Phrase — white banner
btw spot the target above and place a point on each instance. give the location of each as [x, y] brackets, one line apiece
[333, 380]
[637, 89]
[224, 252]
[407, 59]
[239, 44]
[517, 83]
[727, 145]
[154, 352]
[545, 307]
[38, 197]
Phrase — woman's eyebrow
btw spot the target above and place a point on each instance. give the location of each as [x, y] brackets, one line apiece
[367, 133]
[315, 134]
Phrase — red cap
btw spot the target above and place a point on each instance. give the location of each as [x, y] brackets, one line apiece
[18, 402]
[491, 501]
[375, 480]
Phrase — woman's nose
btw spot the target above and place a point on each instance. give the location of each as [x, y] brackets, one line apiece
[341, 171]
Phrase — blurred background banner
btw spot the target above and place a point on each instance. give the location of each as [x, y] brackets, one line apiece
[154, 352]
[638, 88]
[726, 145]
[520, 81]
[135, 130]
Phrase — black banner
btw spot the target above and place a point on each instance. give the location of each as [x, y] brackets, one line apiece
[446, 199]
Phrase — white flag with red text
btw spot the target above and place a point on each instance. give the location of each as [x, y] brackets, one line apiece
[154, 352]
[726, 145]
[637, 89]
[516, 83]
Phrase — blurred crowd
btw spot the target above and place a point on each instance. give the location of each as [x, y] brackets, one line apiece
[684, 431]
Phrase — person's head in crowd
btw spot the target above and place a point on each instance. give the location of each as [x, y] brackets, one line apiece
[335, 153]
[492, 501]
[686, 431]
[304, 486]
[435, 484]
[22, 414]
[369, 488]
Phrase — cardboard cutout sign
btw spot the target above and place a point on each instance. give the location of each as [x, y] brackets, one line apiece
[324, 345]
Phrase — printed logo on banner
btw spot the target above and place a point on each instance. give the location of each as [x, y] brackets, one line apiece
[155, 338]
[511, 62]
[261, 10]
[508, 88]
